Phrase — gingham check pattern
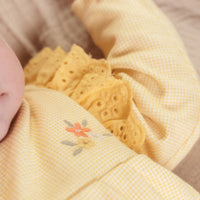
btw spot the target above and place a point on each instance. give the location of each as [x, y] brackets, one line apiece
[143, 47]
[35, 165]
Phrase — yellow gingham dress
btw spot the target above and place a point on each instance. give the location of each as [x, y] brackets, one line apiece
[55, 149]
[90, 83]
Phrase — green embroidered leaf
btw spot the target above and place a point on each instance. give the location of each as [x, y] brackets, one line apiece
[66, 142]
[84, 123]
[77, 151]
[68, 123]
[107, 134]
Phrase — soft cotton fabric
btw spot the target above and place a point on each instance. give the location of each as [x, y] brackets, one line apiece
[143, 48]
[91, 84]
[55, 149]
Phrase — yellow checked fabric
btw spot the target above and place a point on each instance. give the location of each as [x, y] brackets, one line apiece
[90, 83]
[143, 48]
[57, 150]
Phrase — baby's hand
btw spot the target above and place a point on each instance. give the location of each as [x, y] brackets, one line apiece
[11, 87]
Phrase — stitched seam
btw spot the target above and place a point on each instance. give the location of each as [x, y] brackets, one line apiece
[98, 178]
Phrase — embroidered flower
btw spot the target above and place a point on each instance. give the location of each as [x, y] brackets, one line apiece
[78, 130]
[85, 143]
[94, 135]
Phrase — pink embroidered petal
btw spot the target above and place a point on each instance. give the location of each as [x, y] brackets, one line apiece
[81, 134]
[70, 129]
[78, 126]
[86, 129]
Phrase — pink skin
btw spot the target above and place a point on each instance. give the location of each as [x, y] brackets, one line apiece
[11, 87]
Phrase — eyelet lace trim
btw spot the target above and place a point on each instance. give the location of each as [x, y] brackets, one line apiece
[89, 82]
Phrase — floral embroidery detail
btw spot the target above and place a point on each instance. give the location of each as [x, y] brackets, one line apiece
[85, 143]
[78, 130]
[94, 135]
[85, 136]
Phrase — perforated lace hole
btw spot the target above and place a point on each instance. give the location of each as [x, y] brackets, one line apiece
[71, 72]
[63, 80]
[105, 113]
[65, 62]
[124, 137]
[121, 128]
[111, 131]
[115, 98]
[116, 110]
[81, 92]
[102, 71]
[99, 103]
